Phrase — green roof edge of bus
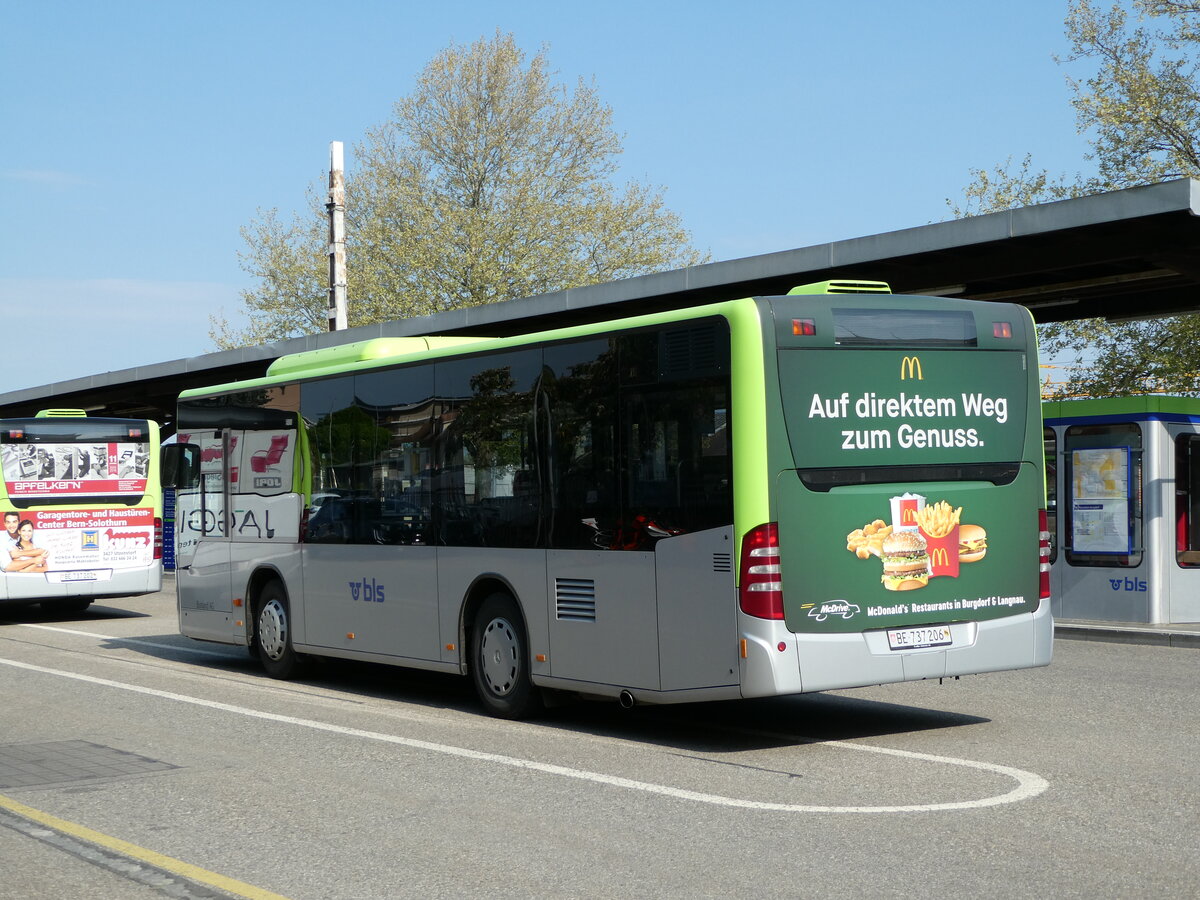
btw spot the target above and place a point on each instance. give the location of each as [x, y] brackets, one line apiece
[309, 361]
[751, 502]
[1117, 406]
[842, 286]
[318, 366]
[61, 413]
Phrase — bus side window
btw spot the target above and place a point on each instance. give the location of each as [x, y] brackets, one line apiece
[674, 402]
[406, 415]
[327, 410]
[486, 489]
[580, 387]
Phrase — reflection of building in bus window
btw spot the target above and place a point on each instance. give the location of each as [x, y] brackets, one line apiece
[23, 556]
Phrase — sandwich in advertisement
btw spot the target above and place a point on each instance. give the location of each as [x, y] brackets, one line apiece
[972, 543]
[905, 561]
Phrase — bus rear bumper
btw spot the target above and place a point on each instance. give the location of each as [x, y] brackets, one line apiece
[777, 661]
[20, 589]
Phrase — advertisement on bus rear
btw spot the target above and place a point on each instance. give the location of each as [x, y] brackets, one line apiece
[870, 550]
[44, 470]
[62, 545]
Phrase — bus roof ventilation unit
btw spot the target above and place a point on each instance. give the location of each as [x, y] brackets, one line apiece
[843, 287]
[61, 414]
[309, 361]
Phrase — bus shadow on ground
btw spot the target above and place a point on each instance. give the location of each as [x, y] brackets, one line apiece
[718, 727]
[36, 614]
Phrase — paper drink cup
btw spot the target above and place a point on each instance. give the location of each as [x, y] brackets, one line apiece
[943, 553]
[904, 511]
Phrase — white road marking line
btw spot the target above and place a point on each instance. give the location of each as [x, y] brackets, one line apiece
[1028, 784]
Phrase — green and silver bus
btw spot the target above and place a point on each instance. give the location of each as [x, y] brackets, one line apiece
[773, 495]
[82, 509]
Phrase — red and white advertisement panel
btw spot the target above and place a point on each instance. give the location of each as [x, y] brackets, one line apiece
[46, 470]
[70, 544]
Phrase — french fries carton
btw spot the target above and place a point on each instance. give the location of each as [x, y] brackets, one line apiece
[938, 524]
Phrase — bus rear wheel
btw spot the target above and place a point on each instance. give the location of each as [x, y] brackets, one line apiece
[500, 660]
[273, 633]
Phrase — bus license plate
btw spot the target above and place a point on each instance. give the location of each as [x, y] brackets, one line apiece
[917, 638]
[78, 576]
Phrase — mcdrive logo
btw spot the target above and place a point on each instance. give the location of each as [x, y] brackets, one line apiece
[367, 591]
[823, 611]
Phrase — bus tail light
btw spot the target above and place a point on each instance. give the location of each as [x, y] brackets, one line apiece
[761, 589]
[1043, 557]
[158, 538]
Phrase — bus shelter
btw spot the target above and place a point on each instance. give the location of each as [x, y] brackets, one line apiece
[1123, 492]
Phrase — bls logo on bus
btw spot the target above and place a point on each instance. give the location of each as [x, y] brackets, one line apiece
[1130, 584]
[367, 591]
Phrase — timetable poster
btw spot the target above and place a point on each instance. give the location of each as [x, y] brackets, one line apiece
[1100, 500]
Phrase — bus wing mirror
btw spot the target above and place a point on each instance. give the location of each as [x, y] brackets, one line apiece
[181, 466]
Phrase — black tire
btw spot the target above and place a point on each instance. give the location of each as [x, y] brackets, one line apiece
[273, 633]
[500, 660]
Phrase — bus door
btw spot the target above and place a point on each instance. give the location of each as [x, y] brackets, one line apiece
[202, 537]
[369, 552]
[1183, 601]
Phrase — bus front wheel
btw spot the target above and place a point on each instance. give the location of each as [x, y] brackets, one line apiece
[273, 633]
[500, 660]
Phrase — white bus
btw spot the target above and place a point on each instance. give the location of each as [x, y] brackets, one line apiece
[82, 509]
[750, 498]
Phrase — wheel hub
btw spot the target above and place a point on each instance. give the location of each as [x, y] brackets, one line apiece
[272, 630]
[500, 656]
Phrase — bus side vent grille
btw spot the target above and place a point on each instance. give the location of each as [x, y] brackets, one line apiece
[575, 598]
[722, 562]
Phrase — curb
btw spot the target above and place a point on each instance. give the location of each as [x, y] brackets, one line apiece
[1127, 634]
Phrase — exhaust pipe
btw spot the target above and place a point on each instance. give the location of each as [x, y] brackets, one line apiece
[625, 698]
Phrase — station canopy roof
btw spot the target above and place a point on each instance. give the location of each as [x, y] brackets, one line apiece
[1127, 254]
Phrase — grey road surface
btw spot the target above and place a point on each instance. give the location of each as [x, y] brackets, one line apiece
[357, 781]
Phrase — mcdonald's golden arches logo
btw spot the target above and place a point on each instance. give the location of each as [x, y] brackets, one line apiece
[910, 367]
[939, 556]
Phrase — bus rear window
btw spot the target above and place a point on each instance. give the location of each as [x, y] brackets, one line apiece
[903, 328]
[48, 460]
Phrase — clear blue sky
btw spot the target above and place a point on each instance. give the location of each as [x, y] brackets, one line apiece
[139, 137]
